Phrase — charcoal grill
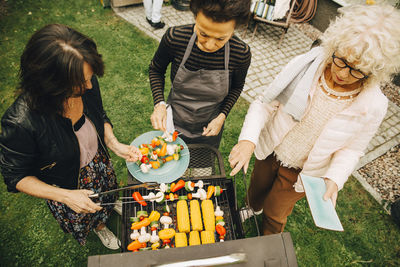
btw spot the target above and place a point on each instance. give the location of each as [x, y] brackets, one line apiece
[225, 201]
[205, 164]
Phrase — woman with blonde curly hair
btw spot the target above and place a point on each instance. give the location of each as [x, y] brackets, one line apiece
[319, 113]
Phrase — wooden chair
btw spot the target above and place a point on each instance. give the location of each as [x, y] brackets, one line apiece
[283, 23]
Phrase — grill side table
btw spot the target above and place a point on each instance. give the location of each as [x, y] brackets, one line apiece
[272, 250]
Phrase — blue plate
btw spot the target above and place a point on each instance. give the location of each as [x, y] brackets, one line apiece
[169, 171]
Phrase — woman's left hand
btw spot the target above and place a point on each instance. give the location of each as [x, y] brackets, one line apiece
[127, 152]
[214, 127]
[331, 191]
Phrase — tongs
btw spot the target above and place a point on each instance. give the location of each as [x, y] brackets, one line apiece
[149, 186]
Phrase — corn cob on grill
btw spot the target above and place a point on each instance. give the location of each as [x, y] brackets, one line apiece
[195, 216]
[180, 240]
[207, 207]
[207, 237]
[182, 214]
[194, 238]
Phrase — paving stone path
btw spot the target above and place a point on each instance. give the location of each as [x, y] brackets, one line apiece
[268, 58]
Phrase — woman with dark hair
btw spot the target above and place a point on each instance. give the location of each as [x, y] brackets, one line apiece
[208, 69]
[54, 136]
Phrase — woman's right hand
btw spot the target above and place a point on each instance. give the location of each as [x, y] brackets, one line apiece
[79, 201]
[240, 156]
[159, 117]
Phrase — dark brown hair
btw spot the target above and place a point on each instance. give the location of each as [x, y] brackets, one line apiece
[52, 65]
[223, 10]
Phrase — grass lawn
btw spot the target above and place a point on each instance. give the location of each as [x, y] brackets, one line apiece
[29, 234]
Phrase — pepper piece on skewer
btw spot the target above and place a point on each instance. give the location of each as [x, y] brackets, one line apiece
[138, 197]
[180, 184]
[155, 246]
[138, 225]
[175, 135]
[154, 216]
[210, 191]
[135, 246]
[221, 231]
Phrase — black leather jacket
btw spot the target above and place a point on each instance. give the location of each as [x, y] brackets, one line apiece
[33, 144]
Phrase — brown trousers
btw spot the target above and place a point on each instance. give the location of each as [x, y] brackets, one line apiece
[271, 189]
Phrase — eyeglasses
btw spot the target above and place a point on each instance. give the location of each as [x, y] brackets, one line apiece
[341, 63]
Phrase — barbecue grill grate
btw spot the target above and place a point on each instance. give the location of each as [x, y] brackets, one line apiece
[205, 162]
[225, 201]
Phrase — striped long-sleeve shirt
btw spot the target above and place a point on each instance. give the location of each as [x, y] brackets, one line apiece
[171, 50]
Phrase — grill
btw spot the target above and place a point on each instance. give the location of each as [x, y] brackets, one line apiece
[206, 165]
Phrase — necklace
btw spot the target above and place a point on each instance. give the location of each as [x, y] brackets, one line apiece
[336, 94]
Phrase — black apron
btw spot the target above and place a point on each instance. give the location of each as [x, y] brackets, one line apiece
[196, 96]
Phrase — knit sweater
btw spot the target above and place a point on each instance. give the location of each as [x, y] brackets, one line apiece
[297, 144]
[171, 50]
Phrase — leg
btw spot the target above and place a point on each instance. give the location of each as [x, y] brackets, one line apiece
[245, 30]
[280, 201]
[255, 29]
[262, 178]
[283, 34]
[156, 14]
[148, 7]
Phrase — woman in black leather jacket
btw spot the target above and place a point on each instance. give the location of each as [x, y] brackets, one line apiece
[54, 138]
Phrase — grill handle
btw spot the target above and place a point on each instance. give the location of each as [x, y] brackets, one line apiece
[247, 204]
[234, 258]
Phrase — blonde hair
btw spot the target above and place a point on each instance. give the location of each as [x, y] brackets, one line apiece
[369, 36]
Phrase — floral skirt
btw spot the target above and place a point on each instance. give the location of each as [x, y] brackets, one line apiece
[98, 176]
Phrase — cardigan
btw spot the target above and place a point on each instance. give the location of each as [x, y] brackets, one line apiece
[342, 141]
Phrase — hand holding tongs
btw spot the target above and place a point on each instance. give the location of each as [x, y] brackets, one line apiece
[149, 186]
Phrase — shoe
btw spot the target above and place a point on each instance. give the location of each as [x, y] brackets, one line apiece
[108, 239]
[246, 213]
[157, 25]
